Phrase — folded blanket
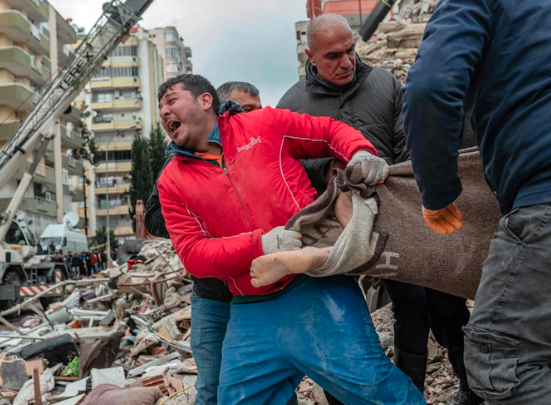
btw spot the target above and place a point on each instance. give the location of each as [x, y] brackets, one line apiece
[388, 238]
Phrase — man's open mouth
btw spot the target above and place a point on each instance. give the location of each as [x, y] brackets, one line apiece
[173, 125]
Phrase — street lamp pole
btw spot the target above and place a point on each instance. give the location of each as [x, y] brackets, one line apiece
[107, 195]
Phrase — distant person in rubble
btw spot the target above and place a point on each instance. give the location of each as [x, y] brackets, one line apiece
[339, 85]
[233, 183]
[210, 297]
[492, 58]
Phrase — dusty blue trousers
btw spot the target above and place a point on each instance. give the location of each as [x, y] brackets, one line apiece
[322, 329]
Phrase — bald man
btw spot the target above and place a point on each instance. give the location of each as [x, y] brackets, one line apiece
[339, 85]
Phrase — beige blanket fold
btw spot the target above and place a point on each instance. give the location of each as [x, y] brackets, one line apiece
[388, 238]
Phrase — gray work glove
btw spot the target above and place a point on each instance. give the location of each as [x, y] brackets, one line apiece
[374, 169]
[280, 240]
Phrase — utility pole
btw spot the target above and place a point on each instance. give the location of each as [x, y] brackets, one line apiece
[85, 209]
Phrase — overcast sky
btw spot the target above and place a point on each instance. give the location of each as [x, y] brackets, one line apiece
[247, 40]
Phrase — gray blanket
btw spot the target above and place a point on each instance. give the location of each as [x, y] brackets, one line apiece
[388, 238]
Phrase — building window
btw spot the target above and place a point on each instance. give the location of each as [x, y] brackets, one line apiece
[115, 155]
[171, 36]
[104, 118]
[102, 97]
[172, 52]
[125, 50]
[65, 176]
[119, 71]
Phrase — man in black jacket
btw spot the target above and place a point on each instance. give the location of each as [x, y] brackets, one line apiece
[339, 85]
[210, 301]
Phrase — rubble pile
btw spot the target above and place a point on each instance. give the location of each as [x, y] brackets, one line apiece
[395, 46]
[124, 340]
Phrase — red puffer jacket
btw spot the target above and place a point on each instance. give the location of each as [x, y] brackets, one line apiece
[216, 216]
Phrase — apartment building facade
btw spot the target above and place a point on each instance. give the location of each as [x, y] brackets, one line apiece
[170, 45]
[122, 97]
[34, 42]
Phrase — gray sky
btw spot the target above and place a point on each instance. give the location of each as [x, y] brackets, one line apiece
[247, 40]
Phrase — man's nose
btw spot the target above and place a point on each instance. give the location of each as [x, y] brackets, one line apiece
[163, 112]
[345, 62]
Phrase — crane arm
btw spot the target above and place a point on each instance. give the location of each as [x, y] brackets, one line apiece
[112, 28]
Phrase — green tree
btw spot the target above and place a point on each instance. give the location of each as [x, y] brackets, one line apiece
[101, 238]
[157, 146]
[88, 150]
[141, 176]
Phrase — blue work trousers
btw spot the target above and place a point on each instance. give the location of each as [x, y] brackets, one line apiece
[209, 321]
[322, 329]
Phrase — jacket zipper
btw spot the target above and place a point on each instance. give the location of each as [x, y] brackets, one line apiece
[239, 198]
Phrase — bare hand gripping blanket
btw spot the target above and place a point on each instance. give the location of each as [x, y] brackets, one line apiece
[388, 238]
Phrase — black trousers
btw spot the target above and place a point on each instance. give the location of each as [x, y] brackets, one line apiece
[418, 310]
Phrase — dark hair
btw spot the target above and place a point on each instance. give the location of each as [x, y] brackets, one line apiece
[225, 90]
[195, 84]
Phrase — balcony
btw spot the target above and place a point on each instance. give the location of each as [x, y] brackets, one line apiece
[78, 195]
[118, 104]
[114, 167]
[73, 166]
[70, 138]
[19, 29]
[65, 33]
[115, 82]
[17, 61]
[119, 188]
[43, 174]
[188, 52]
[73, 116]
[7, 130]
[113, 210]
[118, 145]
[117, 124]
[36, 9]
[63, 54]
[36, 205]
[17, 96]
[122, 61]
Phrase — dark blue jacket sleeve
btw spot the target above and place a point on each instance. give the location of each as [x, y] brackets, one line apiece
[454, 43]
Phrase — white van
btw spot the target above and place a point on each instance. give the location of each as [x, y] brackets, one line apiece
[64, 236]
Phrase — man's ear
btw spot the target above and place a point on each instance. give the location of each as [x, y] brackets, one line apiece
[310, 55]
[205, 100]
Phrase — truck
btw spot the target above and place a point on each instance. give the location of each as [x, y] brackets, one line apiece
[23, 272]
[64, 236]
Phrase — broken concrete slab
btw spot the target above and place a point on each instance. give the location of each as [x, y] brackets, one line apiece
[74, 388]
[113, 376]
[163, 360]
[13, 374]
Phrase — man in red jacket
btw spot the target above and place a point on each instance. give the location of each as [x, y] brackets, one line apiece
[233, 183]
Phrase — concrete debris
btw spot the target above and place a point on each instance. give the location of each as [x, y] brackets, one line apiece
[394, 47]
[126, 341]
[104, 336]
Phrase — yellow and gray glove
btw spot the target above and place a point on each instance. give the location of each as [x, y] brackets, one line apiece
[374, 169]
